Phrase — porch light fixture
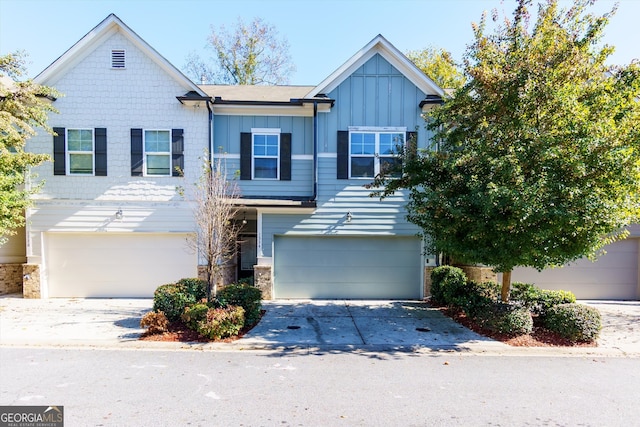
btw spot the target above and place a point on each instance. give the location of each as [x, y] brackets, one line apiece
[244, 219]
[119, 214]
[349, 216]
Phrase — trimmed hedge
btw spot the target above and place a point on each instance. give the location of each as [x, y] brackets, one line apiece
[447, 284]
[244, 295]
[505, 318]
[537, 300]
[173, 298]
[194, 314]
[195, 287]
[222, 322]
[576, 322]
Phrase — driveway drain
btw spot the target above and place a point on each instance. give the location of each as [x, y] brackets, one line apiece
[293, 327]
[423, 329]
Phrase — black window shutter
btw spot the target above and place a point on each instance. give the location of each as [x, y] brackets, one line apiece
[411, 146]
[285, 157]
[343, 154]
[177, 152]
[245, 155]
[101, 151]
[59, 152]
[136, 152]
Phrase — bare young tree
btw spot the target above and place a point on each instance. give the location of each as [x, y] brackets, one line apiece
[250, 54]
[214, 211]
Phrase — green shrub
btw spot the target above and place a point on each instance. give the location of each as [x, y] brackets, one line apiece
[537, 300]
[576, 322]
[195, 287]
[246, 296]
[509, 319]
[447, 283]
[172, 299]
[246, 281]
[475, 296]
[222, 322]
[193, 314]
[155, 322]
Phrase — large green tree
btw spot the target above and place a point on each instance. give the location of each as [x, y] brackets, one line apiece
[539, 152]
[251, 54]
[439, 65]
[23, 108]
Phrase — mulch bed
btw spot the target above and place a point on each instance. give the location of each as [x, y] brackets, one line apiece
[179, 332]
[539, 337]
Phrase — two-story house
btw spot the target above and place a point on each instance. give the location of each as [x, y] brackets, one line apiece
[110, 220]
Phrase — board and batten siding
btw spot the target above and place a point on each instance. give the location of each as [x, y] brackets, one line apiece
[376, 95]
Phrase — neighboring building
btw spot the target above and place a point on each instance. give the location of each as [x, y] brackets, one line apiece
[110, 221]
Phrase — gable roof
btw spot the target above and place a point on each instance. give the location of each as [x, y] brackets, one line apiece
[110, 25]
[381, 46]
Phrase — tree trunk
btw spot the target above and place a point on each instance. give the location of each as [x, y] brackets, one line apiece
[506, 285]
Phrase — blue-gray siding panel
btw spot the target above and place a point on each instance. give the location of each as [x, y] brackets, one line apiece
[347, 267]
[227, 129]
[375, 95]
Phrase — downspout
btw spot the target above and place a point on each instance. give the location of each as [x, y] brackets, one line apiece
[315, 151]
[210, 132]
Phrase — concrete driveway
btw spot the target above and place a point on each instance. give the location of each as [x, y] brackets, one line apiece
[361, 324]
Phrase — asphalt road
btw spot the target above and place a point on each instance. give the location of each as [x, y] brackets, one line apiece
[202, 388]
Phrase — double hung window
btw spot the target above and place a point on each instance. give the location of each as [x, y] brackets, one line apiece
[157, 152]
[266, 153]
[80, 152]
[374, 151]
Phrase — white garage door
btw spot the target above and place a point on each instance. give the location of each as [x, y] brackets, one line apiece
[613, 276]
[115, 265]
[347, 267]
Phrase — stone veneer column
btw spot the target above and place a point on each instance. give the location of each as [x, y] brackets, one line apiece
[262, 280]
[31, 281]
[479, 274]
[427, 281]
[10, 278]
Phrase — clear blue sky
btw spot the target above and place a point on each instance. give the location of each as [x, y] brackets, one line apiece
[322, 34]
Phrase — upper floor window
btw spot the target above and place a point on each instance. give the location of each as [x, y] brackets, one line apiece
[157, 152]
[80, 158]
[80, 151]
[373, 151]
[266, 153]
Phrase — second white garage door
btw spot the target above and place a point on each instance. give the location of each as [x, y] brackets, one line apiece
[347, 267]
[613, 275]
[115, 265]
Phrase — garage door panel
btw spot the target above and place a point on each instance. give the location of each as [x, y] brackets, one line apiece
[347, 267]
[115, 265]
[613, 275]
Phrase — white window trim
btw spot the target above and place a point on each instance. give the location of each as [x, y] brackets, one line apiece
[154, 153]
[68, 153]
[265, 131]
[376, 154]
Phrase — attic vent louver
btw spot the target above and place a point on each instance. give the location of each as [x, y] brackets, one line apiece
[117, 58]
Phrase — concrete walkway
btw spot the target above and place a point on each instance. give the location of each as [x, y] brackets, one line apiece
[294, 325]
